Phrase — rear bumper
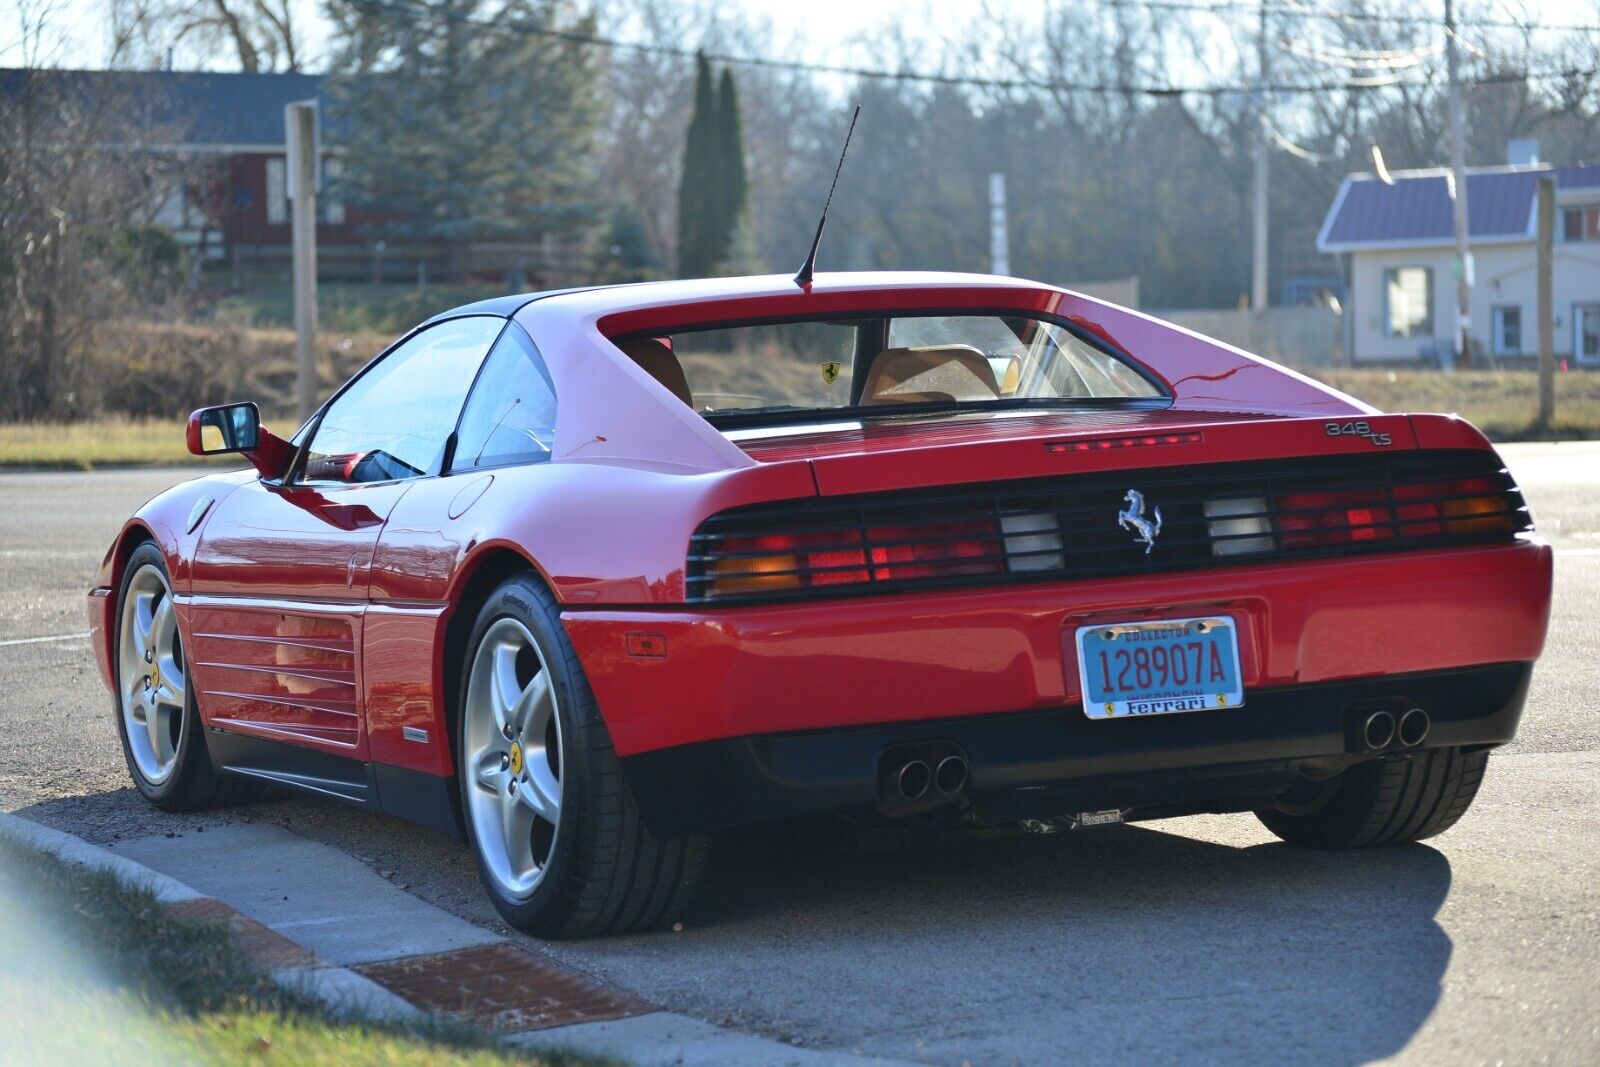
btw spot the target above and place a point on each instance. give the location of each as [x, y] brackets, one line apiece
[1040, 763]
[714, 674]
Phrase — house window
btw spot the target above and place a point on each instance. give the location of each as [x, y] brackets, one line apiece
[277, 192]
[330, 210]
[330, 207]
[1408, 302]
[1580, 224]
[1508, 331]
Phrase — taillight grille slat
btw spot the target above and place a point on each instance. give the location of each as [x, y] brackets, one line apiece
[1066, 527]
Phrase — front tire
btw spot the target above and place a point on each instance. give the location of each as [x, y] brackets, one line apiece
[1387, 802]
[556, 835]
[158, 721]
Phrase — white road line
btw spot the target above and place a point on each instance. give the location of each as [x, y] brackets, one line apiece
[1567, 553]
[42, 640]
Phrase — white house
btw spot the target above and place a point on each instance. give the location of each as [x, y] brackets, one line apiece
[1397, 240]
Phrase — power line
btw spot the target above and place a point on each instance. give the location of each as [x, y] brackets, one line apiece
[413, 8]
[1294, 9]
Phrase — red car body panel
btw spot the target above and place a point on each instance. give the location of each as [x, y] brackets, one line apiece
[735, 671]
[320, 617]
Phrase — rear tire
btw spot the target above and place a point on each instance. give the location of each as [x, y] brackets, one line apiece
[167, 758]
[1387, 802]
[595, 869]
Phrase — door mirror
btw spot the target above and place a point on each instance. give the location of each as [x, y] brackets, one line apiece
[220, 430]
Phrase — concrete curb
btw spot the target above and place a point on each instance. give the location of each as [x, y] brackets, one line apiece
[339, 989]
[76, 851]
[648, 1038]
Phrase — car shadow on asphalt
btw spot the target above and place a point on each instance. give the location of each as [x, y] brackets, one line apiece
[1127, 942]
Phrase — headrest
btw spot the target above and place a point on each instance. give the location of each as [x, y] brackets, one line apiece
[661, 363]
[930, 373]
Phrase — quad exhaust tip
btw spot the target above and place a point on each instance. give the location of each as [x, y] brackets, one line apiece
[951, 775]
[1379, 729]
[914, 779]
[1413, 728]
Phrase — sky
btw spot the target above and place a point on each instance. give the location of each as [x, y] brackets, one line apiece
[830, 30]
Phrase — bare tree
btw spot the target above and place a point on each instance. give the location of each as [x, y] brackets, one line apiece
[77, 173]
[261, 35]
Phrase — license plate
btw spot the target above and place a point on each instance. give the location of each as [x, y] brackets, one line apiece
[1157, 668]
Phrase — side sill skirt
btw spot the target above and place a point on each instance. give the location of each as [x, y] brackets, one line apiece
[421, 798]
[356, 794]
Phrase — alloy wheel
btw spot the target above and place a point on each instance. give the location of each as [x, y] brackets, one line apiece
[151, 672]
[512, 757]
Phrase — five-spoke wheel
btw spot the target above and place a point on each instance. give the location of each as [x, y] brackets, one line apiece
[154, 686]
[512, 738]
[558, 840]
[157, 718]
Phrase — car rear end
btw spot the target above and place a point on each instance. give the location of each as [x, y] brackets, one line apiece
[1040, 558]
[1080, 617]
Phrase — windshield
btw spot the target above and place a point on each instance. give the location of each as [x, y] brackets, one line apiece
[861, 368]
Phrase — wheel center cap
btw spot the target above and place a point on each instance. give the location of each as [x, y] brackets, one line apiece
[155, 676]
[516, 758]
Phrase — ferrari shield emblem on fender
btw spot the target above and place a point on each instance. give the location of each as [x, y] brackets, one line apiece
[830, 372]
[1133, 518]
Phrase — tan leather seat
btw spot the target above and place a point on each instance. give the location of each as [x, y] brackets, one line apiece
[928, 374]
[661, 363]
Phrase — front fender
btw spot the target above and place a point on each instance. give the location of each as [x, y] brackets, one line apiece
[169, 520]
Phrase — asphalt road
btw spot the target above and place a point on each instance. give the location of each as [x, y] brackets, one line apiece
[1194, 940]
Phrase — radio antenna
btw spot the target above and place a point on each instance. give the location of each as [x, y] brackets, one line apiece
[808, 269]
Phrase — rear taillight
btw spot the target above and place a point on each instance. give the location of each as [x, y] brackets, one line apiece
[1458, 506]
[1455, 507]
[773, 562]
[1307, 520]
[942, 550]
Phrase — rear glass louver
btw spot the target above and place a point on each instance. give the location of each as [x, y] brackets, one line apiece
[1105, 525]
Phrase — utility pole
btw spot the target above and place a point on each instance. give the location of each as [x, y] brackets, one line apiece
[1547, 340]
[999, 244]
[1258, 255]
[300, 123]
[1458, 183]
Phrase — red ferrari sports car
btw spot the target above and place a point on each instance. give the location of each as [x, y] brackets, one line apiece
[583, 576]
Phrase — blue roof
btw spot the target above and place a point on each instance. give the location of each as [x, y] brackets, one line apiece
[1416, 208]
[199, 108]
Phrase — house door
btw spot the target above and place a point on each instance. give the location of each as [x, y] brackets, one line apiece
[1586, 333]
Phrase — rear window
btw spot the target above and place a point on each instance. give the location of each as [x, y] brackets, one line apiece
[865, 367]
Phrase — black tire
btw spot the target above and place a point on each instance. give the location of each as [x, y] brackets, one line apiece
[1388, 802]
[605, 873]
[195, 784]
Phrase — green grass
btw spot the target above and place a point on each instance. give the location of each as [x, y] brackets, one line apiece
[93, 970]
[1503, 404]
[99, 443]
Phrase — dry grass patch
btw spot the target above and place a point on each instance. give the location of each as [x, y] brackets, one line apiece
[107, 442]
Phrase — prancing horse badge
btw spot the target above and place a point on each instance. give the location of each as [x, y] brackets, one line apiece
[1133, 518]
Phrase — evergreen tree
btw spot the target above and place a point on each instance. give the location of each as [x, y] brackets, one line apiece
[711, 193]
[730, 159]
[457, 131]
[697, 188]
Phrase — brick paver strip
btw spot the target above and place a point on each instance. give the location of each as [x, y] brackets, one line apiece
[267, 949]
[503, 986]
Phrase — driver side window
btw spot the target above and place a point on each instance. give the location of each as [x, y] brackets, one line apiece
[393, 421]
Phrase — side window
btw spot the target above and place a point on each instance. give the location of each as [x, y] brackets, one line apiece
[511, 415]
[394, 420]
